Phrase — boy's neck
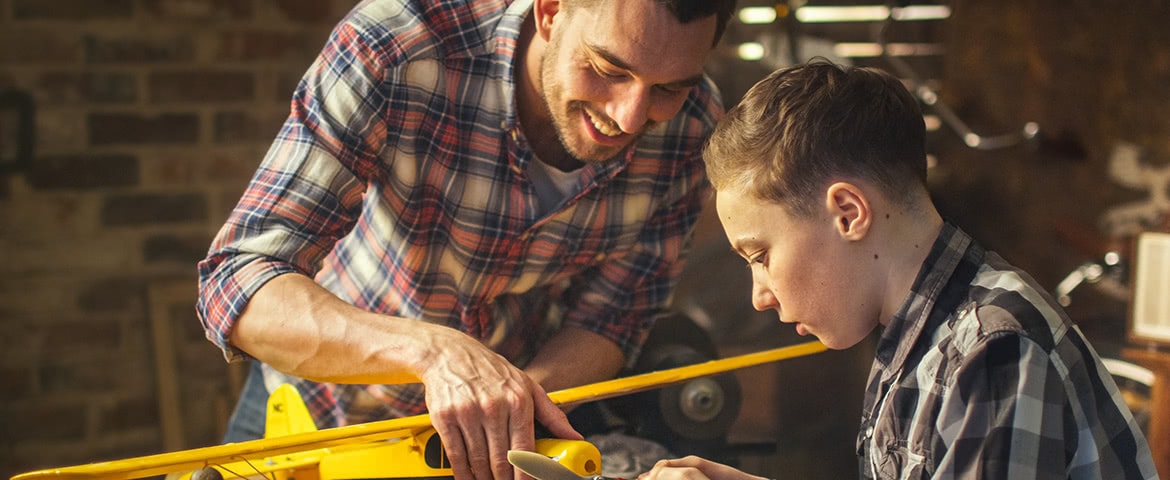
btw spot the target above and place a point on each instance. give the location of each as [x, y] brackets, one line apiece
[908, 237]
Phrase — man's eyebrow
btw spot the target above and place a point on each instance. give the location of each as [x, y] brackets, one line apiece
[622, 64]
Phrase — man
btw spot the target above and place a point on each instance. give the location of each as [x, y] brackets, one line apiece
[820, 179]
[489, 198]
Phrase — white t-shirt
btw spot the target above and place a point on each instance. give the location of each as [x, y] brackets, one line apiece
[552, 185]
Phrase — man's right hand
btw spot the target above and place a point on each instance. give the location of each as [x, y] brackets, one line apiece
[482, 406]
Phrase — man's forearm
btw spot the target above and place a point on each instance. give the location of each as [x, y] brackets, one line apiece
[302, 329]
[575, 357]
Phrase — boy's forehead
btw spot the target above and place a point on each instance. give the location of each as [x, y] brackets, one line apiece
[745, 219]
[735, 208]
[738, 205]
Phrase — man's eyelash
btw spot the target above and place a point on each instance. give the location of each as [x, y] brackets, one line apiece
[598, 70]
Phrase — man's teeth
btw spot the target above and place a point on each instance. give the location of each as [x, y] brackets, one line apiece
[604, 127]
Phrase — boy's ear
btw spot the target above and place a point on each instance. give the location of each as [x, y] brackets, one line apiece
[543, 13]
[850, 210]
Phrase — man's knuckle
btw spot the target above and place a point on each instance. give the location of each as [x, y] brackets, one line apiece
[479, 460]
[501, 465]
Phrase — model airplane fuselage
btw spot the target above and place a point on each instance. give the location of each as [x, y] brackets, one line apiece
[418, 455]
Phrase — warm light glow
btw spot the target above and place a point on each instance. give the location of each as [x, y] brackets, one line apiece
[757, 15]
[820, 14]
[933, 123]
[842, 14]
[922, 12]
[855, 50]
[868, 49]
[750, 51]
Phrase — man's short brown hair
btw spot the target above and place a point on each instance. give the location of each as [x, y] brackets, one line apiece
[686, 11]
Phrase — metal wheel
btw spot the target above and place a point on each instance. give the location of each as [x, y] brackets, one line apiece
[1135, 383]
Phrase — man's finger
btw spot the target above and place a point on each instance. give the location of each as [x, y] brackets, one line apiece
[497, 433]
[477, 457]
[553, 418]
[522, 432]
[456, 452]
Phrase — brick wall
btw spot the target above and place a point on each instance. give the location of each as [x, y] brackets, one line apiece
[150, 117]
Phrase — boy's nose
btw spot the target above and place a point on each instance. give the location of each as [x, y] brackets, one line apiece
[762, 298]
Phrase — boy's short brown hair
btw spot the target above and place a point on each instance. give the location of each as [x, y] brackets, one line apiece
[807, 125]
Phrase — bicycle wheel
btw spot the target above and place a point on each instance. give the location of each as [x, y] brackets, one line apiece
[1135, 383]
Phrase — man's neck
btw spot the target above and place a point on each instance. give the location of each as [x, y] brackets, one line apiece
[535, 121]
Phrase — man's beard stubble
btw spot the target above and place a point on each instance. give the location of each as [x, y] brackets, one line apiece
[552, 92]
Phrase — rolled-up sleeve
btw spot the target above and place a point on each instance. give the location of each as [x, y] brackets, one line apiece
[307, 191]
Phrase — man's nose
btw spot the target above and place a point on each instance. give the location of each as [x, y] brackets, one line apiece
[631, 108]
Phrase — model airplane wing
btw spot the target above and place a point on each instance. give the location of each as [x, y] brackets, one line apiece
[293, 442]
[305, 440]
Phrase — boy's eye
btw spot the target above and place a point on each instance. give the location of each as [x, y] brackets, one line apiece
[756, 260]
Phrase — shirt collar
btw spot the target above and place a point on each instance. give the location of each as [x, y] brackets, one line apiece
[506, 42]
[945, 269]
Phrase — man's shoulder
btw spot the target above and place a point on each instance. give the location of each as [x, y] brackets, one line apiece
[409, 29]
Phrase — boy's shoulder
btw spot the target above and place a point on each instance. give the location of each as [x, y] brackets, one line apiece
[1004, 301]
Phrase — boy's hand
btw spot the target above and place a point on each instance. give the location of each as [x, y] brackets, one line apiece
[694, 468]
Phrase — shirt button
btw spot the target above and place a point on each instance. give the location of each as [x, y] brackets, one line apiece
[515, 135]
[503, 124]
[599, 257]
[869, 431]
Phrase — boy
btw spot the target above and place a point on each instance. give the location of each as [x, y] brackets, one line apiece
[820, 178]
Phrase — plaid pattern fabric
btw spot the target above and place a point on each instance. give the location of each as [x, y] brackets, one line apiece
[399, 183]
[981, 375]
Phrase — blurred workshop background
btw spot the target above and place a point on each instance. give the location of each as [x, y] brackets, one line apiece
[128, 129]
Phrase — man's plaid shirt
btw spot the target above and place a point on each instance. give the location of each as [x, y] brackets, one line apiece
[399, 183]
[982, 375]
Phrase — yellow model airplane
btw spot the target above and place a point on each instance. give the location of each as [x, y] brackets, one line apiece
[418, 455]
[293, 448]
